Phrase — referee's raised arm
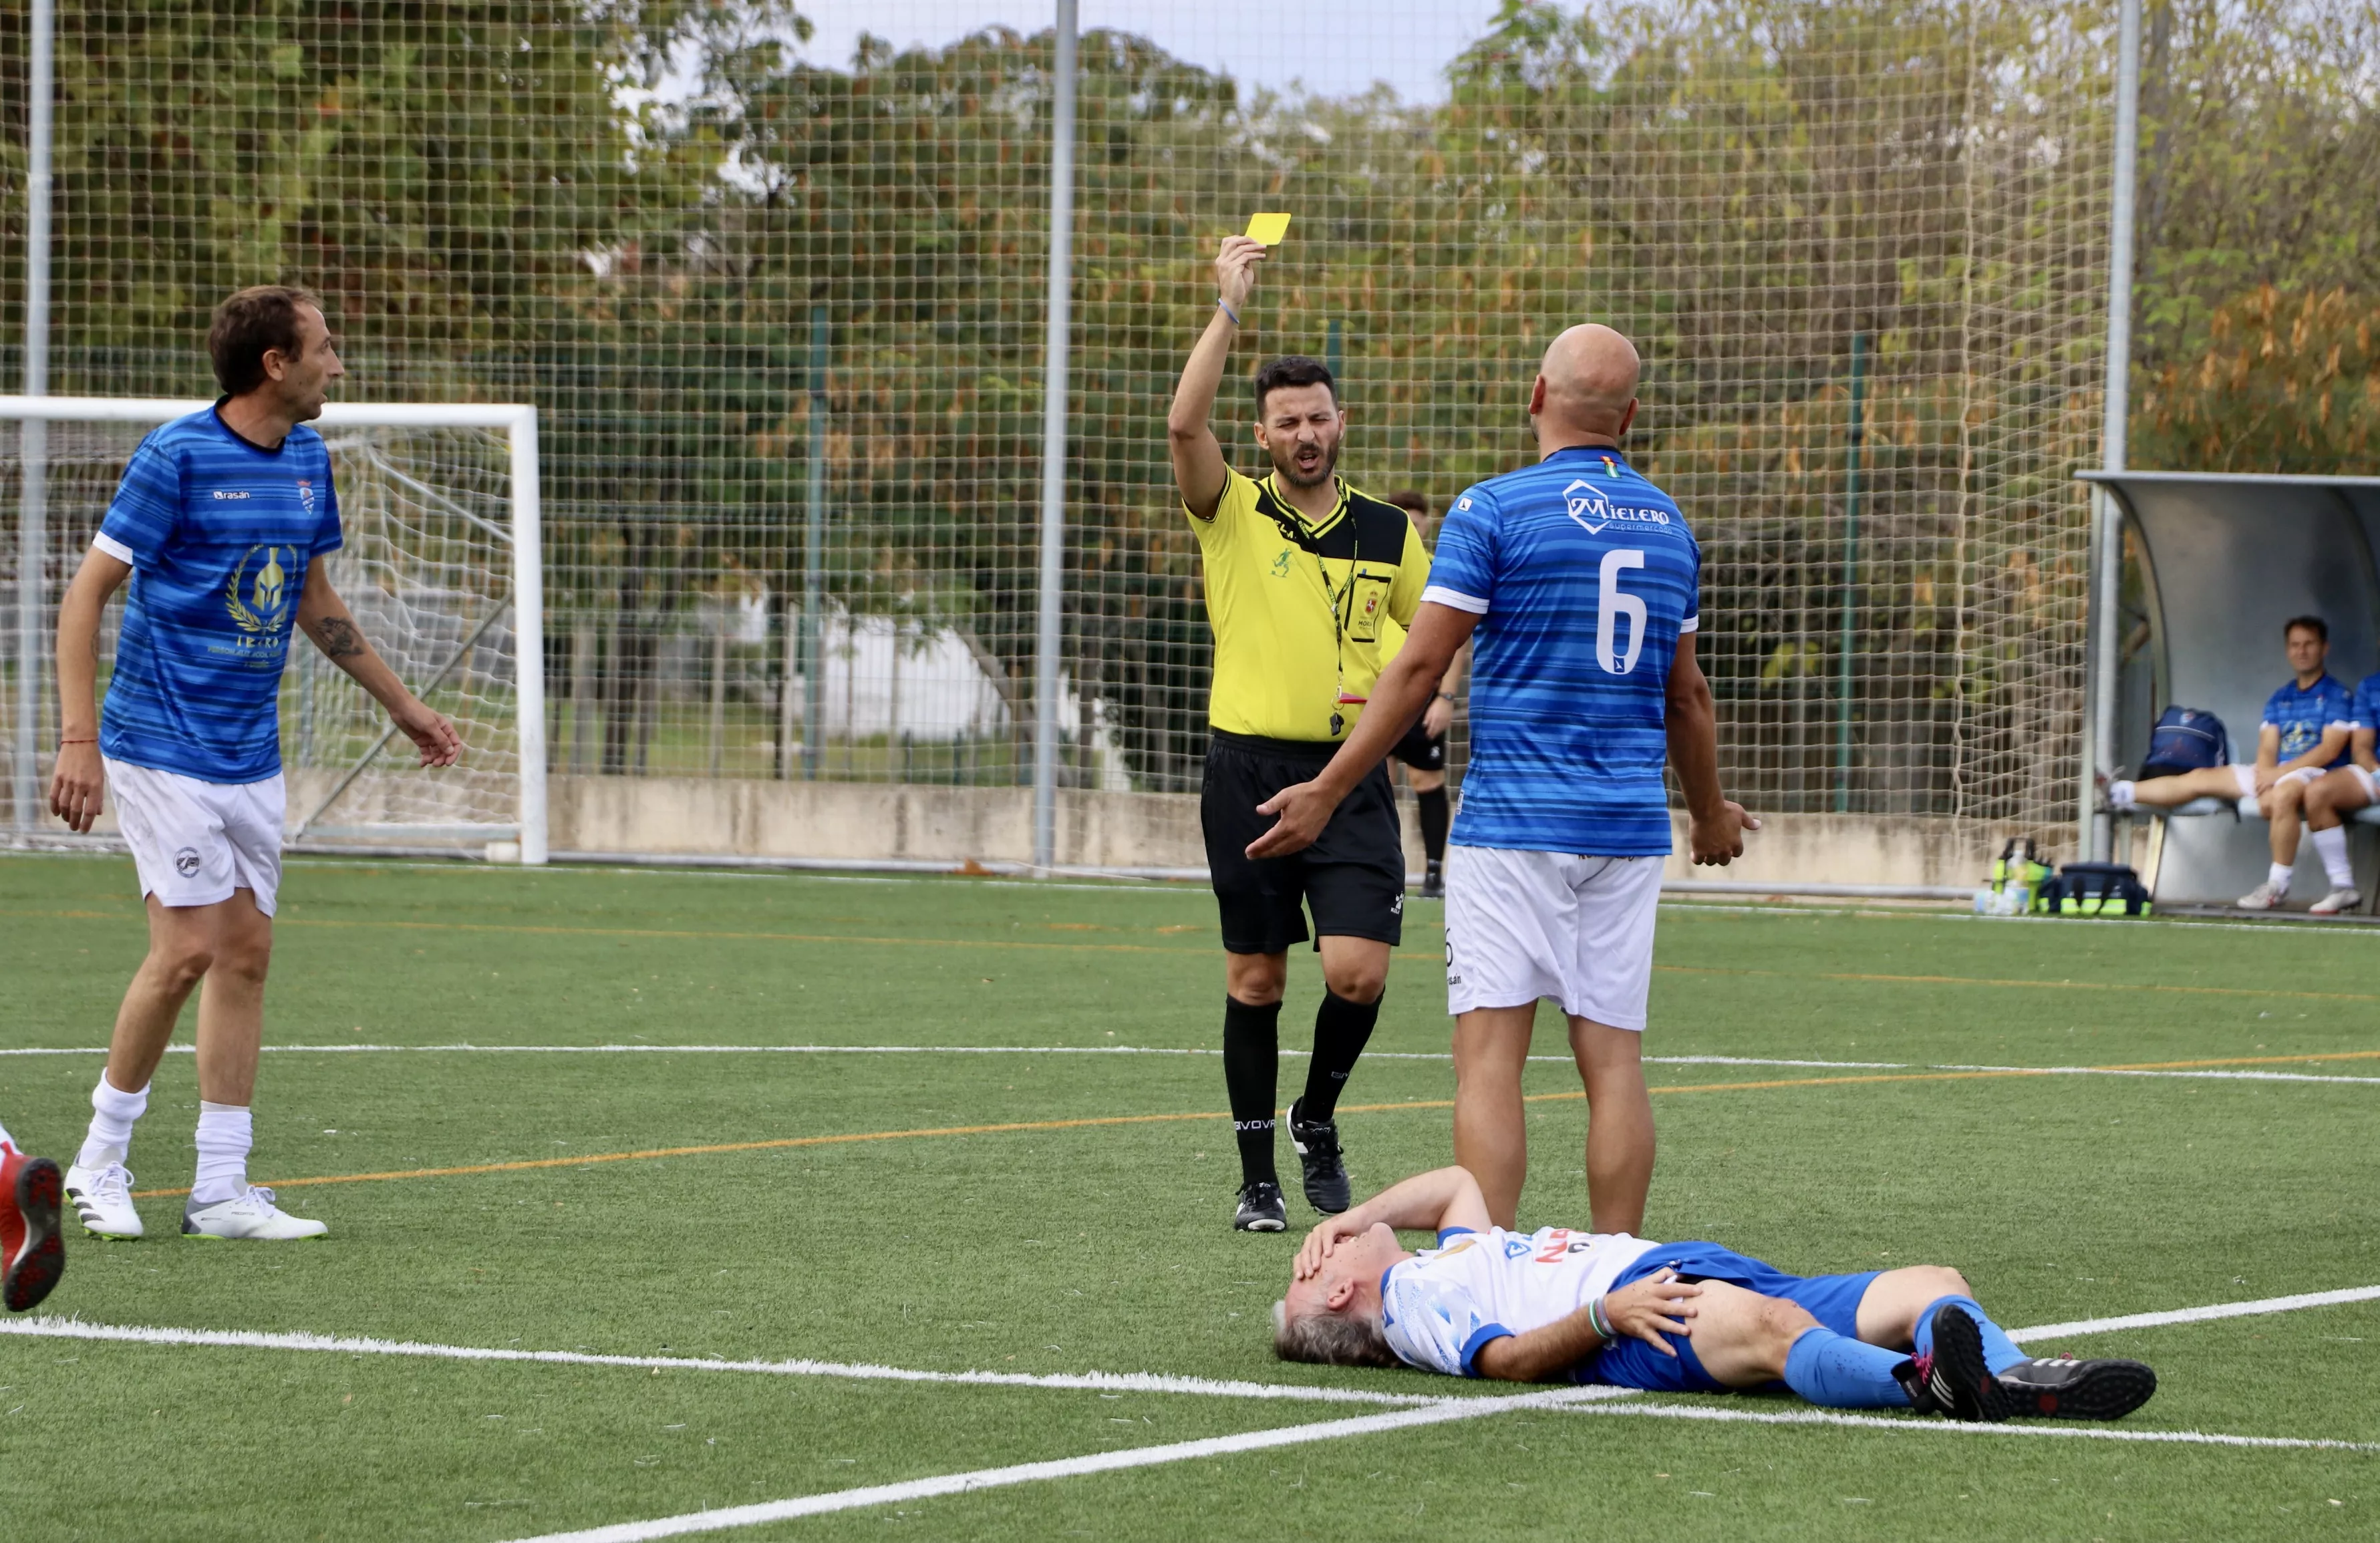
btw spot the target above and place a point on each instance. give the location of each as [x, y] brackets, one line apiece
[1198, 466]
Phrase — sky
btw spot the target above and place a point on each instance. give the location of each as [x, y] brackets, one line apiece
[1334, 47]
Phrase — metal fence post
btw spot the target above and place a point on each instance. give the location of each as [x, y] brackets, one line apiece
[2096, 832]
[34, 485]
[1048, 633]
[1851, 576]
[814, 556]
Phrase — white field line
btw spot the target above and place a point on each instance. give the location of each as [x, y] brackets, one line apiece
[465, 1047]
[1099, 1381]
[1436, 1413]
[2199, 1315]
[1950, 1427]
[1095, 1381]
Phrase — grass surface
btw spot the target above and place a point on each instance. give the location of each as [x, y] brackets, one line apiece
[1066, 1246]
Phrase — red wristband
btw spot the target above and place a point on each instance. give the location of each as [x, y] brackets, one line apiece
[62, 743]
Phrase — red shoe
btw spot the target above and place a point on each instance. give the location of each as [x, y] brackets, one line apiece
[32, 1256]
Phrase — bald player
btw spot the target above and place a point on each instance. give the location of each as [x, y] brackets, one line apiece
[1579, 579]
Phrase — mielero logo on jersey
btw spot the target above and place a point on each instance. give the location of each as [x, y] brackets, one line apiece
[1593, 511]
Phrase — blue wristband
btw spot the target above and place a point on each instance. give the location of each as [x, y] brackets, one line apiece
[1227, 310]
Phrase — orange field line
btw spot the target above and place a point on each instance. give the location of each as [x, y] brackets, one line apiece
[785, 1143]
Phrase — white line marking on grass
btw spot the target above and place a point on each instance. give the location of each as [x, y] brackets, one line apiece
[2199, 1315]
[1434, 1412]
[1099, 1381]
[1947, 1428]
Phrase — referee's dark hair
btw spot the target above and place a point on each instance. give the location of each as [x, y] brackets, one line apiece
[2313, 624]
[250, 324]
[1293, 369]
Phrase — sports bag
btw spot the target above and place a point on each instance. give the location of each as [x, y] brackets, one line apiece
[2186, 739]
[2017, 877]
[2093, 889]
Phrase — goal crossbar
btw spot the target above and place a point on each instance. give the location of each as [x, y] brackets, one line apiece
[517, 421]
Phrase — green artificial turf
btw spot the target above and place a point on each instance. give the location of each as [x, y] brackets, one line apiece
[1065, 1247]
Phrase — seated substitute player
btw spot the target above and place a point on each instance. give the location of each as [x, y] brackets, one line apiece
[2304, 735]
[223, 521]
[32, 1256]
[1422, 750]
[2340, 792]
[1572, 1307]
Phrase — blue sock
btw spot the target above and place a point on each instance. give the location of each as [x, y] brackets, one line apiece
[2000, 1351]
[1838, 1373]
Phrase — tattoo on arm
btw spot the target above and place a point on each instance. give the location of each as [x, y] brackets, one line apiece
[338, 637]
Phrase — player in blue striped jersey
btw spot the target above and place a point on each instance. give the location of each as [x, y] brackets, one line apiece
[1576, 581]
[223, 522]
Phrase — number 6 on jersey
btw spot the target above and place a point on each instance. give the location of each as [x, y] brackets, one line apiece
[1612, 602]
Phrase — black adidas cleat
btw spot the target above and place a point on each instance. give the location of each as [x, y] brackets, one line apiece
[2063, 1388]
[1433, 883]
[1953, 1381]
[1326, 1167]
[1260, 1208]
[32, 1256]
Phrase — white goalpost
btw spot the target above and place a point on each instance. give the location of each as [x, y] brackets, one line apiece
[439, 507]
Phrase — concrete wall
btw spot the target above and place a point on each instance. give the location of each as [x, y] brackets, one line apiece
[862, 822]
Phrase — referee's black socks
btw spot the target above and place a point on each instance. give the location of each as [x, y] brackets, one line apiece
[1341, 1028]
[1431, 806]
[1251, 1075]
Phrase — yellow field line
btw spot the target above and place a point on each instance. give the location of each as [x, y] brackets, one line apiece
[523, 929]
[787, 1142]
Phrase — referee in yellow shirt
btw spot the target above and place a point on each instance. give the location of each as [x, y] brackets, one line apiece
[1302, 571]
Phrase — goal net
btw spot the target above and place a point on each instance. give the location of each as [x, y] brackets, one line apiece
[438, 507]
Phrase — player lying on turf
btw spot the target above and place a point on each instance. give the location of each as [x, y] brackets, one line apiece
[32, 1256]
[1561, 1306]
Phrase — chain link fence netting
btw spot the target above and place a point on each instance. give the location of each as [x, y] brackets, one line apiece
[781, 312]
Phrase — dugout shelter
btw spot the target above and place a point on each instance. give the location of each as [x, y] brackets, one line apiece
[2214, 565]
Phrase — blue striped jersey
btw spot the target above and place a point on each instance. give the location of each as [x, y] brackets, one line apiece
[2364, 711]
[1583, 575]
[2302, 713]
[218, 533]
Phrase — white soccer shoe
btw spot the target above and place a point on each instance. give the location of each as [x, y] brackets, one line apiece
[103, 1199]
[2336, 902]
[2266, 895]
[249, 1215]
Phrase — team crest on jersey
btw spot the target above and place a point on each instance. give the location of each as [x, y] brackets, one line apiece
[1280, 564]
[306, 494]
[261, 607]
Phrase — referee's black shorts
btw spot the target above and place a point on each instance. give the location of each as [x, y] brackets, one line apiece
[1353, 877]
[1419, 751]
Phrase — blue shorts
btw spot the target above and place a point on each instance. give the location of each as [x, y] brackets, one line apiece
[1833, 1301]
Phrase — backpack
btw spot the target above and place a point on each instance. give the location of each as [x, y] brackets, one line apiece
[2093, 889]
[2186, 739]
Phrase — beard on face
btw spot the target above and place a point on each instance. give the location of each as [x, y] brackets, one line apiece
[1284, 461]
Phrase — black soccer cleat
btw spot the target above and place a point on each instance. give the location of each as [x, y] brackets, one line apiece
[1260, 1208]
[1326, 1167]
[32, 1256]
[2063, 1388]
[1953, 1381]
[1433, 883]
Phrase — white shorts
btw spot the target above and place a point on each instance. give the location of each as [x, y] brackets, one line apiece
[2363, 781]
[2245, 774]
[195, 842]
[1521, 925]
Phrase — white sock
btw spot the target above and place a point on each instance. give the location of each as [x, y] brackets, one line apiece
[4, 1141]
[111, 1114]
[2120, 797]
[2331, 847]
[226, 1132]
[2278, 876]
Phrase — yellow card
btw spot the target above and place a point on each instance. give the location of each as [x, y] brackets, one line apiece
[1268, 228]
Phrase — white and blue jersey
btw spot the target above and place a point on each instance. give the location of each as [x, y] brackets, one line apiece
[1583, 575]
[218, 533]
[1439, 1307]
[2303, 713]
